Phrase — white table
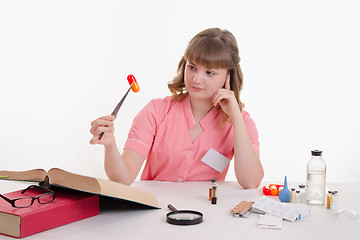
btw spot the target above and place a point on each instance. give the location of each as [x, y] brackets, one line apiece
[218, 222]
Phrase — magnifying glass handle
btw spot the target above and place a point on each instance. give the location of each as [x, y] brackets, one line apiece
[172, 208]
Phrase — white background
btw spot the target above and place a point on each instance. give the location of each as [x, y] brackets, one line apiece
[64, 63]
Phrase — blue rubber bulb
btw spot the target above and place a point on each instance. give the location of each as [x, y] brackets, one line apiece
[284, 195]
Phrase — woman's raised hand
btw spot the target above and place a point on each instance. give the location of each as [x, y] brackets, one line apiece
[103, 125]
[227, 100]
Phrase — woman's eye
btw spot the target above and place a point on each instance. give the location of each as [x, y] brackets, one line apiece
[192, 67]
[210, 73]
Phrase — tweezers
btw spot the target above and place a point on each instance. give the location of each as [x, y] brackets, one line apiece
[117, 108]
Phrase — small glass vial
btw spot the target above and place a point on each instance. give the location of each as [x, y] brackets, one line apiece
[212, 184]
[316, 179]
[302, 194]
[335, 201]
[292, 195]
[214, 195]
[297, 196]
[329, 199]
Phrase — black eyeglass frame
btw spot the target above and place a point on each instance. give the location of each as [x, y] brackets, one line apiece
[12, 201]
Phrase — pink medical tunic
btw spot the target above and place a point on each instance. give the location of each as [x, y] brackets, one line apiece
[160, 134]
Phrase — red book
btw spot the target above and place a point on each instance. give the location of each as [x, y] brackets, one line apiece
[67, 207]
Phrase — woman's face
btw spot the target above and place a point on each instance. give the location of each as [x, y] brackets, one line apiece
[202, 82]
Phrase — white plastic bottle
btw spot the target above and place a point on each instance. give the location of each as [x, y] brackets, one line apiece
[316, 179]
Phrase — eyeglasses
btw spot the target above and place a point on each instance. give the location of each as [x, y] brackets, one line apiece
[24, 202]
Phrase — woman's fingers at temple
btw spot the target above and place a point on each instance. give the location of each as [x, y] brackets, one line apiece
[227, 101]
[222, 94]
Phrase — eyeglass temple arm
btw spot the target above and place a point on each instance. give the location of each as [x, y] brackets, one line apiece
[36, 186]
[23, 191]
[6, 199]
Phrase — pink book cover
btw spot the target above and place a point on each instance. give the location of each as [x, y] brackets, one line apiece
[68, 207]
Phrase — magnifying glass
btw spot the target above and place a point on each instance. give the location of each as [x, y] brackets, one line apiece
[183, 217]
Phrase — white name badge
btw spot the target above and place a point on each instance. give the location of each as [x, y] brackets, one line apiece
[215, 160]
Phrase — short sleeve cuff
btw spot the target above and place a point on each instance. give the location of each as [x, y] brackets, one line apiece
[137, 146]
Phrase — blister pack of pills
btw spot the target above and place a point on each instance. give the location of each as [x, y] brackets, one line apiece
[242, 209]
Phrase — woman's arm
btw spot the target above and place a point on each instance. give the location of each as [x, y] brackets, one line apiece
[248, 168]
[120, 168]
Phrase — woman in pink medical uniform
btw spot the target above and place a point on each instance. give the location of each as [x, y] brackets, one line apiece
[193, 134]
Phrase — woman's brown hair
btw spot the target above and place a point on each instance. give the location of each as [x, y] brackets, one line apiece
[213, 48]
